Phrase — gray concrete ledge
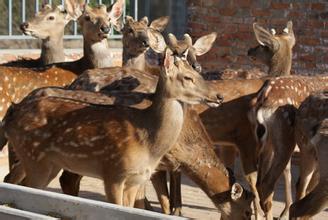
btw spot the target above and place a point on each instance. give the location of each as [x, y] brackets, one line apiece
[44, 202]
[7, 213]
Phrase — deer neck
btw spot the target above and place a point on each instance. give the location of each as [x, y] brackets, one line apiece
[52, 49]
[96, 54]
[139, 61]
[281, 64]
[169, 115]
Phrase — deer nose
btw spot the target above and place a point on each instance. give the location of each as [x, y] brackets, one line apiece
[105, 29]
[197, 67]
[220, 98]
[24, 26]
[145, 43]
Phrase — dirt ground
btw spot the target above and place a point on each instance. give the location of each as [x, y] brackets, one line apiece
[196, 204]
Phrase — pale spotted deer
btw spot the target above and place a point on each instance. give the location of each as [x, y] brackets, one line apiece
[311, 137]
[227, 124]
[272, 117]
[128, 145]
[47, 25]
[16, 82]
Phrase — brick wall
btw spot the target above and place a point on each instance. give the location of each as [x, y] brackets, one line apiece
[232, 20]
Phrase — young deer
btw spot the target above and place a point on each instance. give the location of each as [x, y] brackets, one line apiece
[273, 116]
[275, 50]
[48, 25]
[311, 136]
[126, 144]
[18, 82]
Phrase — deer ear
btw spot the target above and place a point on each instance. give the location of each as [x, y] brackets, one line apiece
[265, 38]
[74, 8]
[115, 14]
[289, 30]
[160, 23]
[144, 20]
[236, 191]
[204, 44]
[168, 61]
[156, 41]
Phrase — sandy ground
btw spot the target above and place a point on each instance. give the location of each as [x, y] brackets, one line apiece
[196, 204]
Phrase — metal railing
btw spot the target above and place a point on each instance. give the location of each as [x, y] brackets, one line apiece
[74, 32]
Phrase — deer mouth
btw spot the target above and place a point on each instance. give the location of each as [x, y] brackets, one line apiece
[102, 35]
[214, 103]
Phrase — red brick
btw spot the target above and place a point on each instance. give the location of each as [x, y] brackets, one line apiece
[243, 3]
[318, 6]
[261, 12]
[227, 11]
[279, 5]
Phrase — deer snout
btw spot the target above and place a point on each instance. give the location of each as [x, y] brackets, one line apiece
[214, 101]
[24, 26]
[196, 66]
[105, 29]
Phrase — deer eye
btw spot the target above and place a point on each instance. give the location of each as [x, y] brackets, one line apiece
[188, 78]
[51, 18]
[87, 17]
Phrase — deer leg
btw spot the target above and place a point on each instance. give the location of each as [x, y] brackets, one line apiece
[159, 182]
[268, 208]
[70, 183]
[129, 195]
[307, 167]
[40, 175]
[16, 174]
[311, 204]
[11, 156]
[175, 193]
[114, 188]
[250, 170]
[288, 191]
[141, 200]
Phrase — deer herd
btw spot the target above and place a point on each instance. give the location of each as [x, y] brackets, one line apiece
[126, 125]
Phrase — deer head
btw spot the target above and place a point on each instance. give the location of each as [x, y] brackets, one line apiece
[48, 22]
[96, 21]
[275, 50]
[181, 77]
[186, 50]
[135, 38]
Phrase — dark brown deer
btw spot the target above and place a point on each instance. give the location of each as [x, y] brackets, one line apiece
[311, 137]
[273, 117]
[47, 25]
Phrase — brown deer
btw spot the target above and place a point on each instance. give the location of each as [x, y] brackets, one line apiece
[273, 119]
[97, 79]
[310, 134]
[227, 124]
[195, 157]
[48, 25]
[123, 163]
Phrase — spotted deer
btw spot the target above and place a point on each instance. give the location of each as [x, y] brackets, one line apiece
[97, 79]
[17, 82]
[127, 143]
[228, 124]
[47, 25]
[273, 121]
[311, 137]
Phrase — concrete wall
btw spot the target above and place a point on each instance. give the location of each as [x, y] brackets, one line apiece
[232, 20]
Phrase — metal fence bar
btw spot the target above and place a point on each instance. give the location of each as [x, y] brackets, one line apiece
[135, 9]
[36, 6]
[10, 18]
[23, 11]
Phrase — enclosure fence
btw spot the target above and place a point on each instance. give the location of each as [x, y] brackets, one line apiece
[16, 12]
